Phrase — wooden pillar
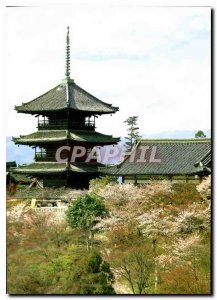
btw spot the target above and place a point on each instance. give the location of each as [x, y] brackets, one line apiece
[201, 178]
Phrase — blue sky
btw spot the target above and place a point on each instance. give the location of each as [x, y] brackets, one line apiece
[151, 62]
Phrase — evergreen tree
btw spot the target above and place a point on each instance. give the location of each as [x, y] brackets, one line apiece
[132, 131]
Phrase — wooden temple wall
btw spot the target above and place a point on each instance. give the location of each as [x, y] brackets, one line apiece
[175, 179]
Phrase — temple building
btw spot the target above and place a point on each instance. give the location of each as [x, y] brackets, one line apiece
[187, 160]
[66, 118]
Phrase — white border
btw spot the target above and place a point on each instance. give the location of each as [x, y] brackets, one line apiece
[42, 3]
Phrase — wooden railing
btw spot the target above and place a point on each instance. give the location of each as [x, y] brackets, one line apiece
[64, 124]
[43, 156]
[58, 124]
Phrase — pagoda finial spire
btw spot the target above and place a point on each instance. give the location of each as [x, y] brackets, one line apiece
[67, 73]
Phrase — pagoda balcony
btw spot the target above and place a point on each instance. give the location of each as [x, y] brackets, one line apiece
[65, 124]
[43, 156]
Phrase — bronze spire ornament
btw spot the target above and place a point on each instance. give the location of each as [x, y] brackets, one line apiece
[67, 73]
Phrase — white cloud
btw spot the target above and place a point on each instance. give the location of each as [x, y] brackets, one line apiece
[151, 62]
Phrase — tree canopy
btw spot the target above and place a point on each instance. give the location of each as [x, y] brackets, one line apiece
[85, 212]
[200, 134]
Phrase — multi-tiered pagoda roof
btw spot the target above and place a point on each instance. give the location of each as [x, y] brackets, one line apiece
[66, 117]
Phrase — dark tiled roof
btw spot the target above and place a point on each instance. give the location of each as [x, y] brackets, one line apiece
[205, 159]
[41, 167]
[54, 167]
[21, 178]
[64, 96]
[84, 168]
[92, 137]
[43, 136]
[178, 157]
[205, 162]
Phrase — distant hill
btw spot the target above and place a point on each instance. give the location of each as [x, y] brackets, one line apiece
[25, 154]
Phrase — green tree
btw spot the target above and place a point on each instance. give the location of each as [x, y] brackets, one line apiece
[85, 274]
[84, 213]
[132, 131]
[200, 134]
[136, 269]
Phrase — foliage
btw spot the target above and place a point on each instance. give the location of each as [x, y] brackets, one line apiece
[99, 183]
[131, 257]
[190, 222]
[94, 262]
[15, 209]
[154, 237]
[67, 272]
[85, 212]
[45, 259]
[14, 203]
[82, 213]
[136, 268]
[89, 276]
[204, 188]
[190, 272]
[46, 193]
[132, 131]
[174, 219]
[200, 134]
[123, 194]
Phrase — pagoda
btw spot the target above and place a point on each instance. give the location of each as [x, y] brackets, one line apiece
[66, 120]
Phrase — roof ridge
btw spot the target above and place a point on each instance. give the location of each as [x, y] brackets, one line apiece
[192, 140]
[107, 104]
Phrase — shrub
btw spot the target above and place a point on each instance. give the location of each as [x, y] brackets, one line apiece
[94, 262]
[99, 183]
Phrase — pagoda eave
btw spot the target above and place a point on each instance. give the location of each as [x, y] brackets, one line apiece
[63, 136]
[39, 168]
[49, 112]
[62, 142]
